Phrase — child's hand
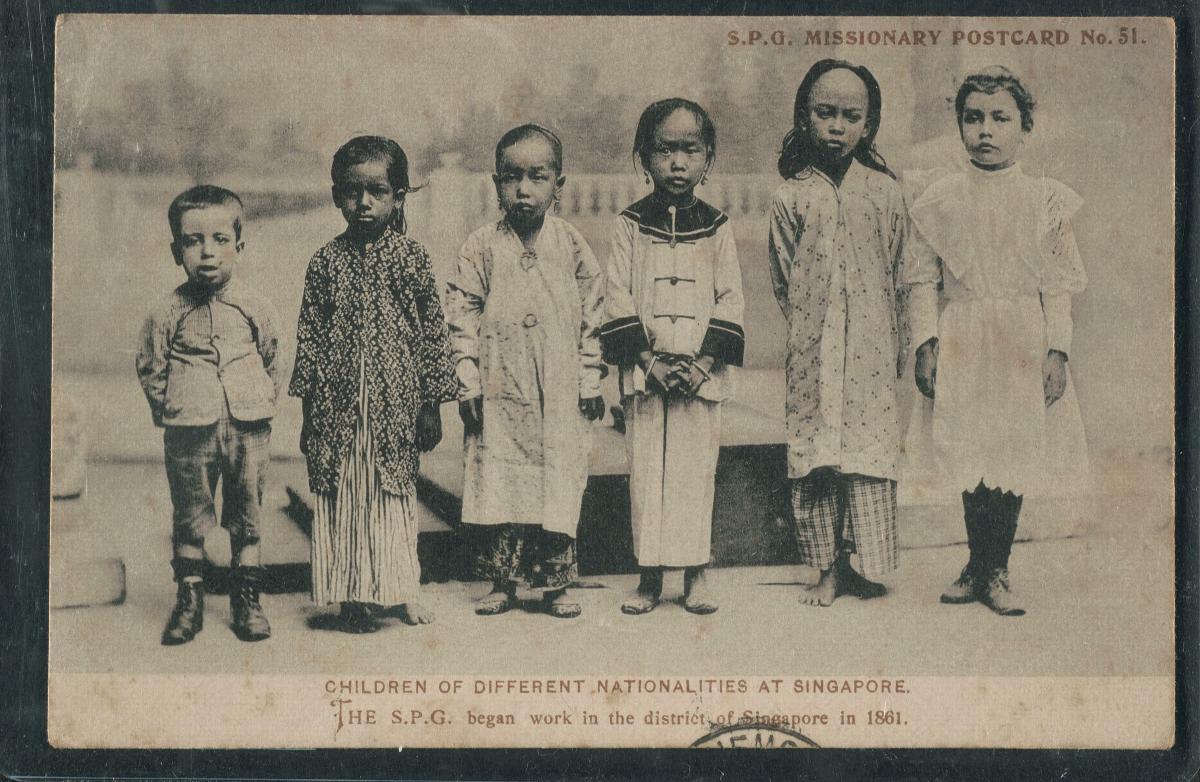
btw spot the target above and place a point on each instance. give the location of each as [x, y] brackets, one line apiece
[1054, 376]
[925, 370]
[592, 407]
[471, 413]
[692, 375]
[429, 428]
[658, 374]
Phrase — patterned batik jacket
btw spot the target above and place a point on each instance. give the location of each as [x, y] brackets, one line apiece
[377, 304]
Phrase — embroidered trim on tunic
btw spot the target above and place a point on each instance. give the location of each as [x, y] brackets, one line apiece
[622, 339]
[688, 224]
[724, 341]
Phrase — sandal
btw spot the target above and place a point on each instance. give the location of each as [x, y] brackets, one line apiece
[495, 603]
[640, 604]
[558, 606]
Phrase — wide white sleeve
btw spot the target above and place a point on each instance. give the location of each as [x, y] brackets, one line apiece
[784, 231]
[623, 335]
[466, 296]
[920, 273]
[1062, 271]
[589, 279]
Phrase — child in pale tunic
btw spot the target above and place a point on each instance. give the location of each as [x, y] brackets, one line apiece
[674, 327]
[372, 367]
[524, 309]
[837, 229]
[999, 243]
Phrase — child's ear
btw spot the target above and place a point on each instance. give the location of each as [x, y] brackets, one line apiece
[241, 245]
[333, 191]
[177, 253]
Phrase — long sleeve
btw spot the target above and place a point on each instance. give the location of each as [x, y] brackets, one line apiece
[466, 294]
[437, 371]
[589, 278]
[898, 228]
[270, 345]
[151, 361]
[725, 339]
[781, 248]
[1063, 273]
[920, 273]
[623, 335]
[315, 312]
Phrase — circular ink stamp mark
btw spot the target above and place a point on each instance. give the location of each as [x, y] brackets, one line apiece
[754, 735]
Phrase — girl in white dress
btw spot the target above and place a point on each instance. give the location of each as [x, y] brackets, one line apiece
[1004, 415]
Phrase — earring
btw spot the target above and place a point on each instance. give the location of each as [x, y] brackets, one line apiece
[499, 204]
[647, 173]
[704, 179]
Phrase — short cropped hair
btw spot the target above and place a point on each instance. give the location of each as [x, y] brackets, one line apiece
[992, 80]
[200, 197]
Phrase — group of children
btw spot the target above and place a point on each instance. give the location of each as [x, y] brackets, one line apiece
[531, 319]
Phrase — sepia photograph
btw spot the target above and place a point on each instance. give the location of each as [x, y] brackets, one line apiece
[613, 382]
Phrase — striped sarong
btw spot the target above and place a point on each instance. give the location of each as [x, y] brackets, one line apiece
[364, 539]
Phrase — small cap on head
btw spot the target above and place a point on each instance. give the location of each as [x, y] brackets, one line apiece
[531, 130]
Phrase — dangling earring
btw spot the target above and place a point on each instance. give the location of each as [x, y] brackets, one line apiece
[647, 173]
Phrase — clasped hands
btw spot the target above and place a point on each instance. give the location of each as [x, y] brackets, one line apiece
[1054, 372]
[675, 375]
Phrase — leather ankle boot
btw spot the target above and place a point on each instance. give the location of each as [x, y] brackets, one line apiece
[965, 588]
[188, 617]
[249, 621]
[995, 591]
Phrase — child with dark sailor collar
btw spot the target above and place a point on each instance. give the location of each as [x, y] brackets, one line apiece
[674, 328]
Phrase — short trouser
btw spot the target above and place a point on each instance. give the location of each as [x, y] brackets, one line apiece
[236, 454]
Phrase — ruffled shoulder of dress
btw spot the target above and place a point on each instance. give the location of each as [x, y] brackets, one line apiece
[654, 217]
[938, 191]
[1060, 202]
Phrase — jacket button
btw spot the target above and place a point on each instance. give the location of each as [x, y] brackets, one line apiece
[530, 320]
[674, 280]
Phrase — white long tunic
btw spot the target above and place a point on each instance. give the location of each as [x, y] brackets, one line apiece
[833, 251]
[674, 286]
[1000, 244]
[524, 334]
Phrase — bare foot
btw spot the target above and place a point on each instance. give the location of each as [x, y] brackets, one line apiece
[822, 593]
[851, 582]
[413, 613]
[808, 575]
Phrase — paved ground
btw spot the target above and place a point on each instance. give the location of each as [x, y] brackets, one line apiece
[1099, 604]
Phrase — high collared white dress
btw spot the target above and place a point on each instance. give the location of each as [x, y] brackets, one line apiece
[1001, 246]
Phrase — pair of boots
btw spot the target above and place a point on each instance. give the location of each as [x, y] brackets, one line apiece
[187, 619]
[991, 519]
